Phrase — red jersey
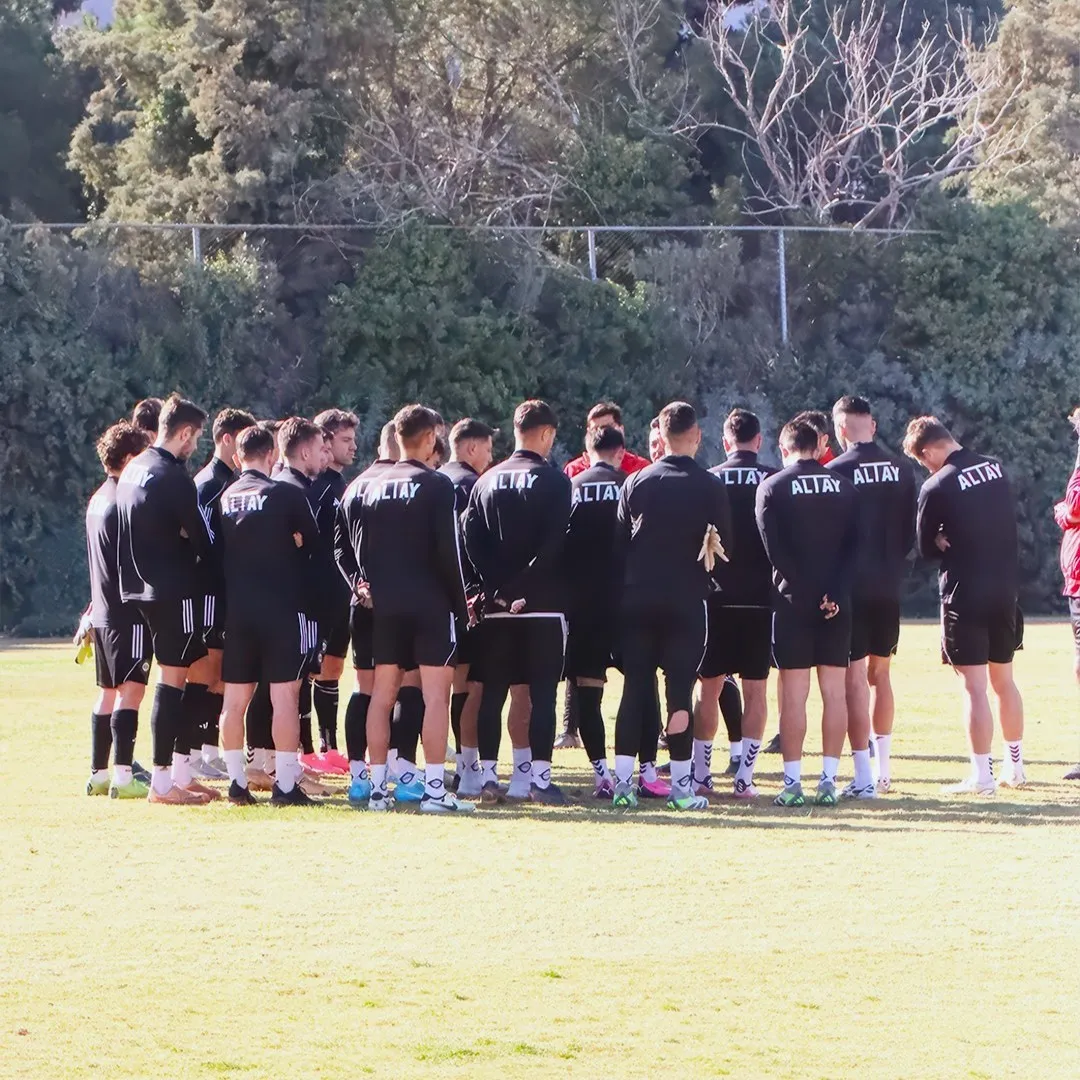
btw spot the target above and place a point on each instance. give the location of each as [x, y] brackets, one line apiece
[631, 463]
[1067, 515]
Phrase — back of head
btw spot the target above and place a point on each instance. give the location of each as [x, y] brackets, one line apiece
[853, 420]
[798, 436]
[255, 444]
[294, 435]
[231, 422]
[389, 450]
[467, 429]
[413, 423]
[741, 427]
[679, 428]
[119, 444]
[923, 433]
[605, 442]
[815, 418]
[146, 413]
[178, 413]
[532, 416]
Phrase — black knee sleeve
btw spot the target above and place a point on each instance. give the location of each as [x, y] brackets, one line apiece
[356, 726]
[542, 718]
[681, 744]
[457, 707]
[410, 722]
[731, 709]
[489, 720]
[307, 744]
[166, 715]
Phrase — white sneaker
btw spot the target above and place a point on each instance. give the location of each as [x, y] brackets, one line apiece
[447, 803]
[380, 801]
[853, 792]
[884, 785]
[1014, 778]
[971, 786]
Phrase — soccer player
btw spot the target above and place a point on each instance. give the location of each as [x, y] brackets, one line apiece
[593, 579]
[806, 517]
[269, 534]
[820, 423]
[121, 641]
[145, 415]
[471, 456]
[967, 522]
[885, 512]
[1067, 515]
[360, 615]
[673, 520]
[740, 614]
[162, 538]
[328, 489]
[203, 698]
[515, 533]
[656, 441]
[406, 549]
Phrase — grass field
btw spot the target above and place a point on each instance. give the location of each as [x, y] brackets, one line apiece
[920, 936]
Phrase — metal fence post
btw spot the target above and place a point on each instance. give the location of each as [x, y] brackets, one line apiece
[592, 253]
[781, 248]
[196, 245]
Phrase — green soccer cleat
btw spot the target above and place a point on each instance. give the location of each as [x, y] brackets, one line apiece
[625, 797]
[133, 789]
[687, 802]
[826, 794]
[98, 787]
[790, 796]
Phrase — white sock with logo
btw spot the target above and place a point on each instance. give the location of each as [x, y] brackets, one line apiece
[1014, 755]
[624, 768]
[521, 780]
[983, 768]
[680, 778]
[830, 766]
[378, 778]
[406, 771]
[864, 774]
[181, 770]
[435, 780]
[648, 772]
[470, 760]
[287, 766]
[601, 770]
[209, 753]
[736, 749]
[489, 772]
[745, 776]
[882, 746]
[358, 770]
[541, 774]
[792, 773]
[702, 760]
[121, 775]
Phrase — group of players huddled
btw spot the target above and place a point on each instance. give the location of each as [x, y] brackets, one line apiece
[461, 584]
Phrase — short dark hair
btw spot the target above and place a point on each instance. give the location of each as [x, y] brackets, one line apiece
[273, 426]
[677, 418]
[850, 405]
[470, 429]
[742, 426]
[414, 421]
[533, 414]
[122, 441]
[146, 413]
[231, 422]
[387, 434]
[605, 440]
[605, 408]
[815, 418]
[254, 442]
[922, 432]
[177, 413]
[798, 435]
[333, 420]
[294, 432]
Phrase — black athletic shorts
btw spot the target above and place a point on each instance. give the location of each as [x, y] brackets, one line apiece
[590, 641]
[806, 639]
[739, 642]
[176, 630]
[1074, 619]
[338, 635]
[875, 627]
[417, 640]
[974, 638]
[524, 648]
[361, 627]
[122, 651]
[271, 647]
[670, 637]
[468, 645]
[214, 621]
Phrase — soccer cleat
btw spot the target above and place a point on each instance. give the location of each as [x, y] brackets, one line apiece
[605, 789]
[1013, 777]
[971, 786]
[447, 803]
[470, 786]
[413, 792]
[218, 762]
[884, 785]
[826, 794]
[97, 787]
[853, 792]
[790, 797]
[139, 773]
[653, 789]
[240, 796]
[1073, 773]
[707, 789]
[773, 746]
[743, 790]
[687, 802]
[380, 800]
[337, 761]
[552, 795]
[133, 789]
[309, 786]
[176, 796]
[568, 740]
[664, 770]
[492, 794]
[258, 780]
[205, 771]
[315, 764]
[360, 791]
[295, 797]
[208, 794]
[455, 783]
[733, 766]
[624, 796]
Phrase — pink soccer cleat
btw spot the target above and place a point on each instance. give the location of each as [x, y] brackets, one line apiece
[654, 789]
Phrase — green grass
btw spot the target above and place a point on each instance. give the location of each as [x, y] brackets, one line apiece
[918, 937]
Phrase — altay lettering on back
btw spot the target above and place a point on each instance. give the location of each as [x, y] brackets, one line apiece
[815, 485]
[974, 475]
[514, 480]
[598, 492]
[877, 472]
[750, 477]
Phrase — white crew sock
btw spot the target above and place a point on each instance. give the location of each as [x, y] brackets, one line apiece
[983, 768]
[680, 778]
[209, 753]
[864, 774]
[541, 774]
[830, 766]
[406, 771]
[435, 780]
[624, 768]
[287, 766]
[181, 770]
[600, 768]
[736, 749]
[358, 770]
[745, 775]
[234, 762]
[378, 778]
[470, 760]
[392, 764]
[161, 780]
[194, 760]
[792, 773]
[1014, 755]
[99, 776]
[648, 772]
[459, 764]
[882, 746]
[702, 760]
[521, 779]
[121, 775]
[488, 772]
[259, 761]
